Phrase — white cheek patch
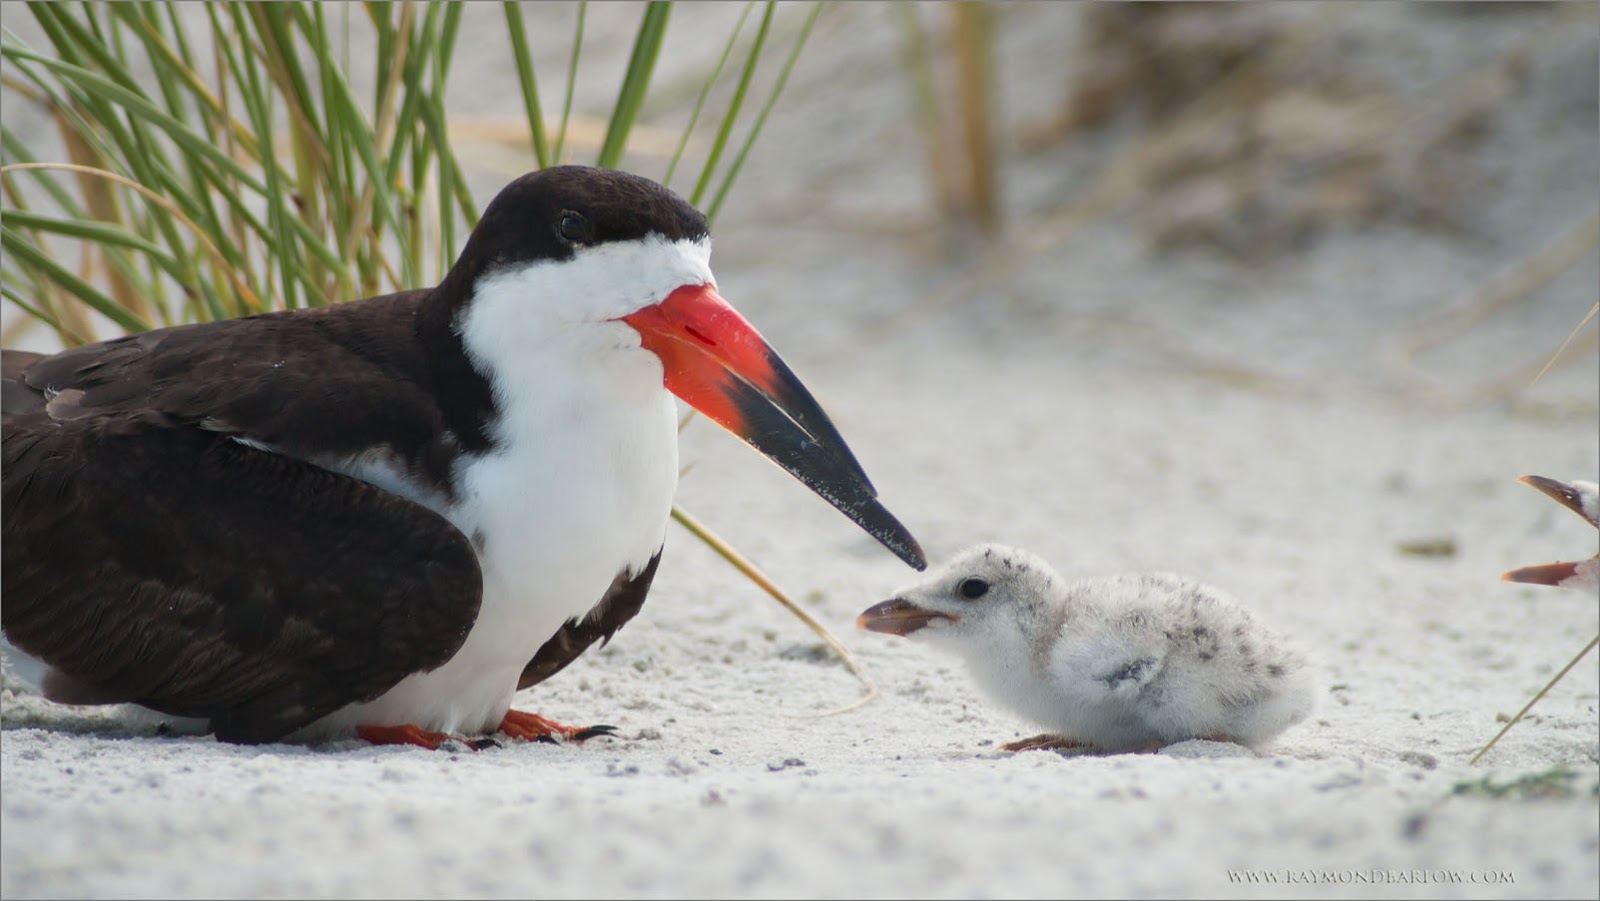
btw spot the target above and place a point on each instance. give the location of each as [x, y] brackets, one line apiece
[546, 331]
[597, 284]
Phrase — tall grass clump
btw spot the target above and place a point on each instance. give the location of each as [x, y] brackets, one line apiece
[223, 159]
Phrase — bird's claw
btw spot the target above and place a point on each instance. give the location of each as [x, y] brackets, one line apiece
[533, 727]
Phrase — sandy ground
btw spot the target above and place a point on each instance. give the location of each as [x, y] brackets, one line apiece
[1106, 406]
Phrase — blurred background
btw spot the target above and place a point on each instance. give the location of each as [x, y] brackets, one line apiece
[1038, 259]
[1397, 197]
[1282, 296]
[1261, 289]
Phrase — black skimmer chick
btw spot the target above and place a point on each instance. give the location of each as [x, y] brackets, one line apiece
[1582, 498]
[383, 518]
[1124, 663]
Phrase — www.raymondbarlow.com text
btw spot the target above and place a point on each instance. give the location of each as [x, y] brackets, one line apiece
[1370, 877]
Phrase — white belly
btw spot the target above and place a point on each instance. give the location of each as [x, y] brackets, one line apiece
[575, 500]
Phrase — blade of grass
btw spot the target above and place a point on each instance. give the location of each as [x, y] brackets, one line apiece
[705, 91]
[68, 337]
[77, 44]
[91, 231]
[525, 76]
[641, 65]
[276, 50]
[73, 325]
[452, 184]
[108, 236]
[78, 111]
[138, 107]
[18, 153]
[284, 235]
[1535, 699]
[393, 130]
[102, 204]
[388, 215]
[1568, 340]
[734, 104]
[30, 254]
[766, 109]
[281, 281]
[925, 104]
[236, 234]
[559, 154]
[248, 296]
[749, 570]
[183, 91]
[971, 33]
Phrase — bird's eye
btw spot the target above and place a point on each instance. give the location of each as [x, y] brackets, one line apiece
[972, 589]
[574, 227]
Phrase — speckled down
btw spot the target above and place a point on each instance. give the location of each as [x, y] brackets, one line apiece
[1125, 662]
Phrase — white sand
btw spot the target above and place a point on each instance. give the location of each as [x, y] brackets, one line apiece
[1075, 403]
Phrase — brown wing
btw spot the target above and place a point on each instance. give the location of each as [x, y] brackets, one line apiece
[620, 604]
[149, 560]
[310, 383]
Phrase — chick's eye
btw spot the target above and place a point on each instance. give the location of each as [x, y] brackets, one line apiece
[574, 227]
[972, 589]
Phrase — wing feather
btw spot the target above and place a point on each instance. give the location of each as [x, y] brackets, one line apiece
[152, 561]
[620, 604]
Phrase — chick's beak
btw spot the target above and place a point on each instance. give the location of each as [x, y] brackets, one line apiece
[898, 616]
[1579, 497]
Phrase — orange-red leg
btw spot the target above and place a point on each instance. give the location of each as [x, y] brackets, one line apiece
[533, 727]
[1042, 742]
[408, 734]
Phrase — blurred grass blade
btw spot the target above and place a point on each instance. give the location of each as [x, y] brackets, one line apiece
[918, 66]
[525, 76]
[735, 103]
[750, 571]
[559, 157]
[766, 109]
[1535, 699]
[30, 254]
[705, 91]
[140, 108]
[68, 335]
[641, 65]
[972, 36]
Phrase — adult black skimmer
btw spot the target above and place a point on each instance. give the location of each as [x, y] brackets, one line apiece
[1125, 663]
[385, 517]
[1582, 498]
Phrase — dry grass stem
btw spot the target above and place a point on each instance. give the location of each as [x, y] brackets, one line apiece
[973, 42]
[1536, 698]
[1511, 286]
[749, 570]
[1562, 349]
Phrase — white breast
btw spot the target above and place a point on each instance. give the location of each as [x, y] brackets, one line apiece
[555, 520]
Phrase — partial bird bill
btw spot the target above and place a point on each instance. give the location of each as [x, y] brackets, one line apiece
[897, 616]
[716, 362]
[1571, 496]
